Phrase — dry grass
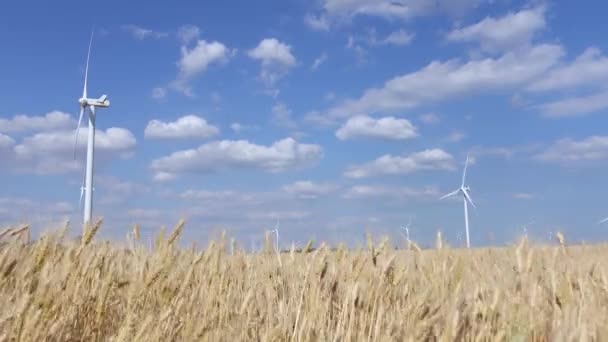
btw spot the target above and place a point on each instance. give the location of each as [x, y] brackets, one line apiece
[55, 289]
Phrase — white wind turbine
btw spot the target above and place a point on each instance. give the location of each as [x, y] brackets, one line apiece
[276, 231]
[91, 105]
[464, 190]
[406, 229]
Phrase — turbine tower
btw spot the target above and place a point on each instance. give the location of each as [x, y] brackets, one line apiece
[90, 104]
[464, 190]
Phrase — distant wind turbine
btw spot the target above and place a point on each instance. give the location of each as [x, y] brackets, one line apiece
[464, 190]
[276, 231]
[91, 105]
[406, 228]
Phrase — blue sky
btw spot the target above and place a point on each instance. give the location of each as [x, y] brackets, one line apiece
[338, 116]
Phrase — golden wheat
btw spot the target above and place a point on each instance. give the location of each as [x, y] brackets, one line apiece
[54, 289]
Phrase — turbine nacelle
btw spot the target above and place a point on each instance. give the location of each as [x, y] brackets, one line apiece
[100, 102]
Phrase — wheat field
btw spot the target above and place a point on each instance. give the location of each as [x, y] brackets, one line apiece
[60, 289]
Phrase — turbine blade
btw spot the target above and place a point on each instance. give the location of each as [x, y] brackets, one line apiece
[450, 194]
[604, 220]
[81, 194]
[86, 70]
[466, 195]
[464, 172]
[78, 130]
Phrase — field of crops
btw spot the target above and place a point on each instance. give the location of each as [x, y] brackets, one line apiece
[59, 289]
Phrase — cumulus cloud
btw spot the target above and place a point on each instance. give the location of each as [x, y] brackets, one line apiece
[51, 121]
[575, 106]
[189, 126]
[240, 154]
[589, 68]
[511, 31]
[197, 59]
[345, 10]
[276, 59]
[188, 33]
[431, 159]
[141, 33]
[390, 128]
[52, 152]
[443, 80]
[309, 189]
[570, 151]
[6, 141]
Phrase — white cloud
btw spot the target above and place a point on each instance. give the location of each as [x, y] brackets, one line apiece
[570, 151]
[513, 30]
[197, 59]
[51, 121]
[52, 152]
[276, 59]
[40, 215]
[431, 159]
[318, 61]
[575, 106]
[385, 192]
[384, 128]
[6, 141]
[240, 154]
[141, 33]
[430, 118]
[590, 68]
[240, 128]
[272, 51]
[189, 126]
[360, 51]
[317, 23]
[309, 190]
[164, 176]
[205, 195]
[346, 10]
[399, 38]
[188, 33]
[442, 80]
[282, 116]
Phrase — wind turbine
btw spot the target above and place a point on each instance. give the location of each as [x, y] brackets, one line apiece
[464, 190]
[276, 231]
[406, 228]
[91, 105]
